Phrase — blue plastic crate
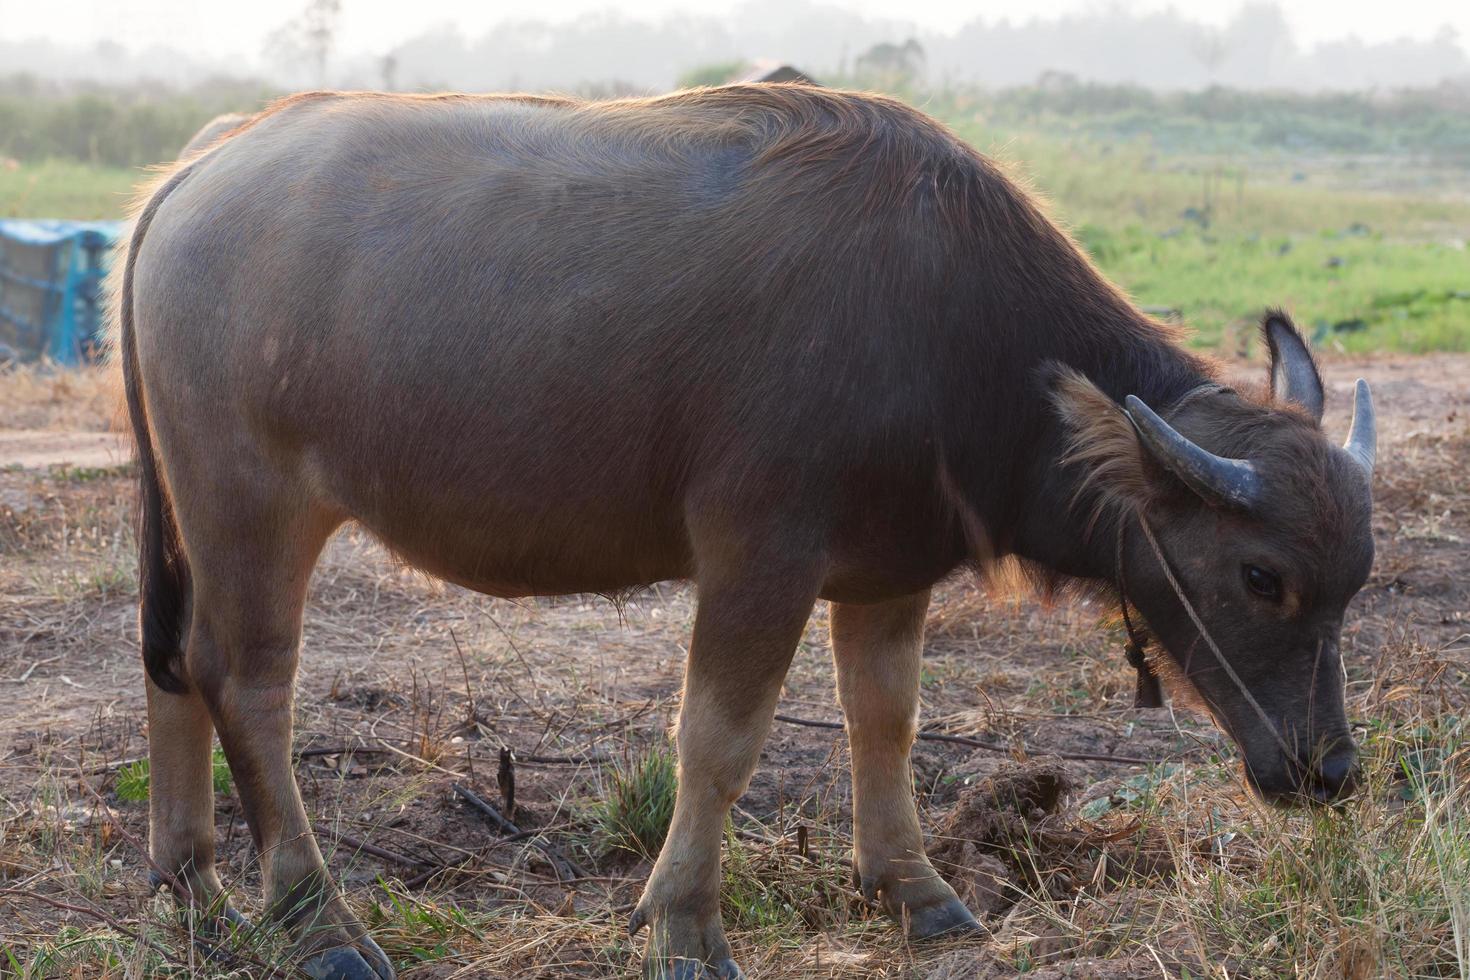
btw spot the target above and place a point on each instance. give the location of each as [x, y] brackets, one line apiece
[51, 276]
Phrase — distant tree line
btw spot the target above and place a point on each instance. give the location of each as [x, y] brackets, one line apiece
[1433, 121]
[112, 126]
[133, 125]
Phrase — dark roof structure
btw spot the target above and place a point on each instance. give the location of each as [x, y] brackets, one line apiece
[767, 70]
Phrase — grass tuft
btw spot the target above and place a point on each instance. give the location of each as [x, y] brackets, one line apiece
[132, 780]
[1378, 886]
[638, 802]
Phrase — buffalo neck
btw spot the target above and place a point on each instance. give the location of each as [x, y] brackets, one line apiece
[1035, 505]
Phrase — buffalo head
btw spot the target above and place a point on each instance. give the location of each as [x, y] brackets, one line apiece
[1243, 533]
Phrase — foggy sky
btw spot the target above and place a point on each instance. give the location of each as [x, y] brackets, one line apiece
[646, 44]
[373, 26]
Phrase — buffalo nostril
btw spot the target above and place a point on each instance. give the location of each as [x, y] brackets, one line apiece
[1337, 774]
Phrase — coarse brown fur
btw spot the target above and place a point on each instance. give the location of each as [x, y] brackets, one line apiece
[786, 342]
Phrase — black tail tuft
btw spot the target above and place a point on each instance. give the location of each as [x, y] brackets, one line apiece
[163, 571]
[163, 584]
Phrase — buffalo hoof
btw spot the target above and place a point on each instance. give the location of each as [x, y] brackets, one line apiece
[235, 919]
[212, 935]
[684, 968]
[363, 962]
[949, 918]
[376, 957]
[221, 924]
[215, 922]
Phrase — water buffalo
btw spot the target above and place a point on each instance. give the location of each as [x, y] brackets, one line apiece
[218, 126]
[787, 343]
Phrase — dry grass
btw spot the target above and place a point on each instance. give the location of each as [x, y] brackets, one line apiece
[44, 397]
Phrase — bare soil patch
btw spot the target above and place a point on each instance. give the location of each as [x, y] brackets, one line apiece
[32, 450]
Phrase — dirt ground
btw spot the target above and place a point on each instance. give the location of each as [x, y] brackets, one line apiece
[409, 686]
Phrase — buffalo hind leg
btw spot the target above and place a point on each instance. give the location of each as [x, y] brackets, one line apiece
[249, 593]
[877, 650]
[745, 633]
[181, 803]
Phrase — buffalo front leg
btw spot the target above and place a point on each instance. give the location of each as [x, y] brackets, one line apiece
[877, 650]
[744, 638]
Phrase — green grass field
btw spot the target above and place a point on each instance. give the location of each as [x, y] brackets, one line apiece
[1216, 243]
[65, 189]
[1210, 240]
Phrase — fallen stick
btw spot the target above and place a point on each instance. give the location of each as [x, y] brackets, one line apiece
[422, 878]
[976, 743]
[299, 755]
[590, 759]
[426, 869]
[355, 844]
[338, 750]
[561, 863]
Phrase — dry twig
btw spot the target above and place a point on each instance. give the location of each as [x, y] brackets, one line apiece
[976, 743]
[565, 866]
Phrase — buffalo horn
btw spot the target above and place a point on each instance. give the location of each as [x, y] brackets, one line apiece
[1233, 482]
[1362, 437]
[1294, 376]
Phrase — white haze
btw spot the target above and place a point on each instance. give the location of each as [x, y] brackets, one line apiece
[646, 44]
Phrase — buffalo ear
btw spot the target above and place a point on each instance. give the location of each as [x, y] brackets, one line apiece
[1102, 440]
[1293, 373]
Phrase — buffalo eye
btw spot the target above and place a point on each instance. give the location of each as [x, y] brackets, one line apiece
[1264, 583]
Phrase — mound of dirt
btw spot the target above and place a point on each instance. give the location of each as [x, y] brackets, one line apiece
[1008, 834]
[999, 811]
[977, 845]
